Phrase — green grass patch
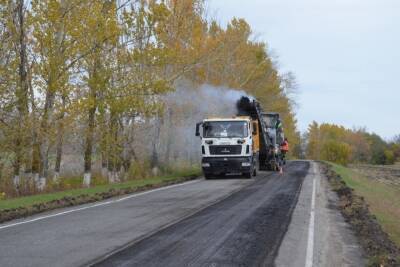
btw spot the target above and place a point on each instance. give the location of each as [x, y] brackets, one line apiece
[43, 198]
[383, 200]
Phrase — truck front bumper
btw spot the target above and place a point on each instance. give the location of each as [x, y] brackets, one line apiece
[220, 165]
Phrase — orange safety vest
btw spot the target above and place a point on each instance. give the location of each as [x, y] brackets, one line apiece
[285, 146]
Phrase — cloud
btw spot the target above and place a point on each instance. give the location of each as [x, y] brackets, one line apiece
[344, 54]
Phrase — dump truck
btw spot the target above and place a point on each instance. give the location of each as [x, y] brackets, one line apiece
[229, 145]
[241, 144]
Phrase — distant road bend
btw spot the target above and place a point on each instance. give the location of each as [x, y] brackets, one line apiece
[227, 222]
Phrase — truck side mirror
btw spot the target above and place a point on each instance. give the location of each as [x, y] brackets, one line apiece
[198, 128]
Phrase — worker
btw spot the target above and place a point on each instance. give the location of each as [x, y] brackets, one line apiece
[284, 149]
[278, 125]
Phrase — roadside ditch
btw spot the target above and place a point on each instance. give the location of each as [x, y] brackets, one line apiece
[379, 249]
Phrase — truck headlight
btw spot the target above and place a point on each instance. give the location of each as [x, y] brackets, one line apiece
[205, 165]
[246, 164]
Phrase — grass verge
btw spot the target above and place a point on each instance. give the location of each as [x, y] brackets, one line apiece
[368, 206]
[382, 199]
[24, 206]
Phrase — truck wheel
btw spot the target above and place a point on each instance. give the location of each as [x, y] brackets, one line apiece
[222, 175]
[274, 167]
[271, 168]
[247, 175]
[208, 176]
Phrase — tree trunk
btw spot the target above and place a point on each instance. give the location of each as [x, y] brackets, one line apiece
[59, 148]
[127, 153]
[154, 155]
[104, 146]
[60, 129]
[45, 138]
[114, 160]
[21, 94]
[89, 139]
[60, 139]
[169, 137]
[35, 160]
[1, 171]
[129, 150]
[104, 164]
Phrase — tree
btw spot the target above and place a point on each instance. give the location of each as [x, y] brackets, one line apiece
[378, 147]
[337, 152]
[99, 34]
[15, 81]
[341, 145]
[389, 157]
[313, 141]
[56, 26]
[94, 80]
[396, 139]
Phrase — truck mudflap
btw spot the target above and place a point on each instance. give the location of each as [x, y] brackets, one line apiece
[222, 165]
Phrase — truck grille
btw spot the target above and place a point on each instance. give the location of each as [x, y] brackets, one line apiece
[226, 150]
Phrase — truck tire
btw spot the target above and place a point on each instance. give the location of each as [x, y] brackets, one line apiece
[208, 176]
[270, 167]
[247, 175]
[222, 175]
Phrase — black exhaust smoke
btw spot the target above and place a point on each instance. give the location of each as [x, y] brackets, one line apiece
[246, 107]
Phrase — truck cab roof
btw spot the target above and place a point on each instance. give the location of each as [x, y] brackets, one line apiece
[235, 118]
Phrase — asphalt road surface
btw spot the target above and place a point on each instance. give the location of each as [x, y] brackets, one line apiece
[245, 229]
[264, 221]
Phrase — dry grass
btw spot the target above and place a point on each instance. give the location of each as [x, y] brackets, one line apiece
[389, 175]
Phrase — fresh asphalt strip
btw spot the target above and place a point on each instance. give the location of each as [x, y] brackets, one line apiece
[244, 229]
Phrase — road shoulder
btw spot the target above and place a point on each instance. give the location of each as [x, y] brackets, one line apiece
[332, 241]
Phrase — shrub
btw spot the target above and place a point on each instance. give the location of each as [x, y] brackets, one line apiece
[389, 157]
[337, 152]
[138, 170]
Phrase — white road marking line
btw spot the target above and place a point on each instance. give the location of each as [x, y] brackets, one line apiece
[310, 242]
[95, 205]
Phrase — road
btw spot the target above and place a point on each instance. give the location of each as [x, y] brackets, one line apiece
[229, 222]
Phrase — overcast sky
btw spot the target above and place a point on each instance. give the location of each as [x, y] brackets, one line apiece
[344, 53]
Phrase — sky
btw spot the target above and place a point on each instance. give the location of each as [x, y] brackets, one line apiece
[345, 55]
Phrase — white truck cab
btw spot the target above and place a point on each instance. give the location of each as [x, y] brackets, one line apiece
[228, 145]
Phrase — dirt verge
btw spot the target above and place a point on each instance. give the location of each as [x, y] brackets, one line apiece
[17, 213]
[380, 250]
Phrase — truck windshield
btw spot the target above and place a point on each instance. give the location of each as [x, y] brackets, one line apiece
[225, 129]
